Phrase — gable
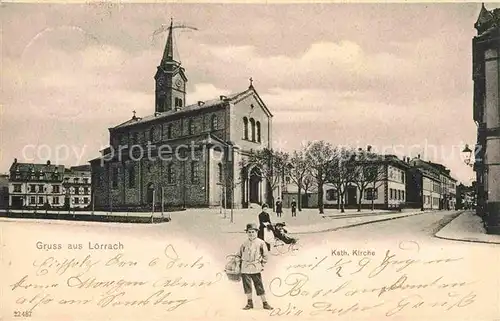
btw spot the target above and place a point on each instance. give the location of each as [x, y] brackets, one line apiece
[256, 101]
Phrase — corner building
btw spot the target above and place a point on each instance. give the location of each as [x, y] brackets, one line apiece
[486, 76]
[187, 156]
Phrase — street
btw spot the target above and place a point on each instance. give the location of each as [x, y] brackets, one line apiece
[361, 272]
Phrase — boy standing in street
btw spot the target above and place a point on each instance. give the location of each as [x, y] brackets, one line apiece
[253, 255]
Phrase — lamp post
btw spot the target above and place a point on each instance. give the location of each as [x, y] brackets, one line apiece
[467, 155]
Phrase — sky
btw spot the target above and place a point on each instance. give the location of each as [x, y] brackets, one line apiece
[393, 76]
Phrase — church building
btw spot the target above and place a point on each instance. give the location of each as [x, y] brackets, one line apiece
[184, 155]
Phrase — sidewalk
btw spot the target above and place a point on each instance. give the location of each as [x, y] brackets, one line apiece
[467, 227]
[329, 222]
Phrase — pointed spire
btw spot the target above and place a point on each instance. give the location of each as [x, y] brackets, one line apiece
[168, 53]
[484, 17]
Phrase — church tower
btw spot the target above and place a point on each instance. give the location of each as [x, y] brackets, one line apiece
[170, 92]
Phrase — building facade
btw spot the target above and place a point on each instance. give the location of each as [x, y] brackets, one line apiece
[388, 191]
[36, 186]
[184, 155]
[77, 187]
[4, 191]
[47, 186]
[486, 76]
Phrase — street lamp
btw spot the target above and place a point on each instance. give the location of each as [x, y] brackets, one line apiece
[467, 154]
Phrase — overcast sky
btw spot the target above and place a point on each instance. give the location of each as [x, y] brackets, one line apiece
[358, 74]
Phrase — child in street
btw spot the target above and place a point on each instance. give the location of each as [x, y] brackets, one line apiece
[253, 254]
[281, 233]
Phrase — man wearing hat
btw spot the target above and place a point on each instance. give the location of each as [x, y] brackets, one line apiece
[253, 255]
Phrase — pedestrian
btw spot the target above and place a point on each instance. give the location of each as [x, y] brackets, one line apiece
[294, 208]
[253, 255]
[279, 207]
[265, 227]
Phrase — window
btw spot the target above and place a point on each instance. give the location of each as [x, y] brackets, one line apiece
[214, 124]
[85, 190]
[85, 181]
[77, 200]
[32, 200]
[114, 177]
[55, 189]
[170, 173]
[55, 200]
[32, 188]
[178, 102]
[77, 191]
[220, 173]
[76, 180]
[403, 195]
[169, 131]
[131, 177]
[17, 188]
[258, 131]
[151, 134]
[399, 194]
[245, 128]
[371, 194]
[191, 127]
[391, 193]
[287, 179]
[194, 173]
[331, 195]
[85, 200]
[252, 128]
[40, 200]
[40, 189]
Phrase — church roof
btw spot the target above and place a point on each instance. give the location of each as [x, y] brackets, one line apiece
[185, 109]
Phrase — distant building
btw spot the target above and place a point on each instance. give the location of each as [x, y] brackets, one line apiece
[486, 71]
[150, 159]
[77, 186]
[431, 186]
[4, 191]
[36, 186]
[387, 192]
[48, 186]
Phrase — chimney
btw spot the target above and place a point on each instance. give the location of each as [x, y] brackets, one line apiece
[15, 160]
[418, 156]
[222, 97]
[369, 148]
[201, 103]
[48, 162]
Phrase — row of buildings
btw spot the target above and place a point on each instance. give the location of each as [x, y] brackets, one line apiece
[409, 182]
[46, 186]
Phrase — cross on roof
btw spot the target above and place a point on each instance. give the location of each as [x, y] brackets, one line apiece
[133, 111]
[251, 82]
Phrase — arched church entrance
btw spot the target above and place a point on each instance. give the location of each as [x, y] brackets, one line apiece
[254, 186]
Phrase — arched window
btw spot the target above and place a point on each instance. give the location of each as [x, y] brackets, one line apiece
[252, 129]
[258, 132]
[194, 173]
[170, 173]
[169, 131]
[245, 128]
[151, 134]
[180, 102]
[214, 124]
[220, 173]
[131, 177]
[176, 102]
[191, 127]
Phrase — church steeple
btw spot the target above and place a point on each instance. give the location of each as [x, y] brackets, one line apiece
[168, 53]
[170, 79]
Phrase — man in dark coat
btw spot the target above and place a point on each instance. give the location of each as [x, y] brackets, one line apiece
[279, 207]
[264, 223]
[294, 208]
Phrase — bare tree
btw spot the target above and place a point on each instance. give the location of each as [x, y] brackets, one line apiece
[298, 172]
[368, 170]
[272, 165]
[319, 155]
[308, 184]
[341, 172]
